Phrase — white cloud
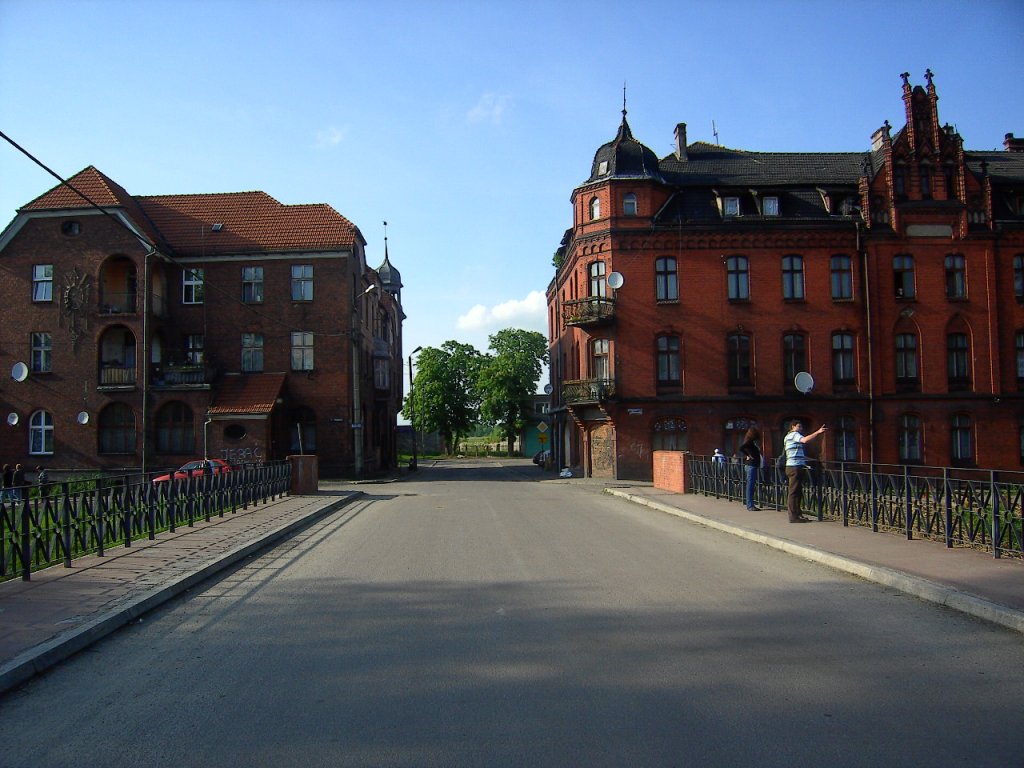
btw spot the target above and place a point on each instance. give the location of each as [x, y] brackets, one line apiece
[529, 313]
[330, 137]
[490, 108]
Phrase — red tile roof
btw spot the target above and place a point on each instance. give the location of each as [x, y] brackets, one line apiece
[249, 221]
[248, 393]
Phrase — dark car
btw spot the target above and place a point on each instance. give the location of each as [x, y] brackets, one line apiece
[541, 458]
[195, 468]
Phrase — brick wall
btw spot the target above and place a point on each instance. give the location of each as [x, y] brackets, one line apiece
[670, 471]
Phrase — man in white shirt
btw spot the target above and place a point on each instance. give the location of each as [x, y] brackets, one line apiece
[796, 465]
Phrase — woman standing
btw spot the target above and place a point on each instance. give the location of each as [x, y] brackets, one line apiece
[751, 451]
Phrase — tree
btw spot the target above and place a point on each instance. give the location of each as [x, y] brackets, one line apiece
[444, 388]
[509, 377]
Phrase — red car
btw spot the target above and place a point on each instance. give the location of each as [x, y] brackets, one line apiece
[196, 468]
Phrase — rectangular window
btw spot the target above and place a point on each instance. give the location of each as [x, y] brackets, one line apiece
[906, 362]
[794, 357]
[842, 278]
[793, 278]
[738, 351]
[42, 282]
[846, 439]
[737, 268]
[597, 286]
[958, 366]
[381, 374]
[903, 276]
[302, 282]
[666, 281]
[668, 360]
[960, 439]
[194, 344]
[252, 285]
[910, 438]
[1019, 338]
[1018, 277]
[842, 358]
[302, 351]
[252, 352]
[771, 206]
[731, 206]
[956, 276]
[42, 352]
[192, 286]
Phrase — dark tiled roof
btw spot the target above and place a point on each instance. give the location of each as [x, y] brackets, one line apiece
[624, 157]
[248, 393]
[710, 165]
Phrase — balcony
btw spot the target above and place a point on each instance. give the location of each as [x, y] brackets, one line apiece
[595, 310]
[171, 376]
[117, 375]
[588, 391]
[118, 303]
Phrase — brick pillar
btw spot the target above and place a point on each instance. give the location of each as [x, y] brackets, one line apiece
[305, 475]
[670, 471]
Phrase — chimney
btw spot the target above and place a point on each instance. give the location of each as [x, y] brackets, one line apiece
[681, 141]
[1011, 144]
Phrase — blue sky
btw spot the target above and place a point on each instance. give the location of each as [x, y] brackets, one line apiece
[466, 125]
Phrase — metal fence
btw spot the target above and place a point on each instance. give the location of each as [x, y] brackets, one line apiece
[59, 522]
[982, 509]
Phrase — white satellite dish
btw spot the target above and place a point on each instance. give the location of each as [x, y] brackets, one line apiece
[803, 382]
[12, 419]
[616, 280]
[19, 371]
[83, 417]
[548, 389]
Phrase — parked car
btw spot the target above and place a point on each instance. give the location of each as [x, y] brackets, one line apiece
[541, 458]
[195, 468]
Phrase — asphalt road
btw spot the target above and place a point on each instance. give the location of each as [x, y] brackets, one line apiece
[478, 616]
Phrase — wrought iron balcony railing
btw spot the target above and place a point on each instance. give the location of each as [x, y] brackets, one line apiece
[116, 376]
[588, 391]
[117, 303]
[595, 310]
[181, 375]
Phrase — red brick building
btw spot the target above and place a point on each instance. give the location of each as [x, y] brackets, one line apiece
[144, 331]
[692, 289]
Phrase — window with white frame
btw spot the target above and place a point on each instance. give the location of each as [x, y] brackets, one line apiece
[40, 433]
[629, 204]
[302, 351]
[595, 208]
[666, 280]
[770, 206]
[194, 345]
[192, 286]
[42, 282]
[793, 277]
[252, 352]
[42, 352]
[252, 285]
[302, 282]
[730, 206]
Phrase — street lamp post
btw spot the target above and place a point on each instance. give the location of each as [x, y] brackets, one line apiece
[412, 411]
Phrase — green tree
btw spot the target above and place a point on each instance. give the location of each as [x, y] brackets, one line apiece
[509, 377]
[444, 397]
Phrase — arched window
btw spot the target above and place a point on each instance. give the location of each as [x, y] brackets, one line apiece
[958, 357]
[175, 433]
[117, 429]
[629, 204]
[670, 435]
[595, 208]
[906, 363]
[666, 280]
[303, 430]
[738, 272]
[792, 277]
[732, 435]
[40, 433]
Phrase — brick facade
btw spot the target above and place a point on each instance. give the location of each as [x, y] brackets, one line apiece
[797, 259]
[141, 370]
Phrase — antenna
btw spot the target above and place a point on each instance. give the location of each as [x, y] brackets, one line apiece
[714, 130]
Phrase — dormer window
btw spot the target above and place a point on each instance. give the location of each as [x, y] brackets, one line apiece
[602, 168]
[770, 206]
[731, 206]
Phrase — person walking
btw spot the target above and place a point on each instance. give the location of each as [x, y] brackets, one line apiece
[19, 482]
[796, 465]
[42, 480]
[751, 451]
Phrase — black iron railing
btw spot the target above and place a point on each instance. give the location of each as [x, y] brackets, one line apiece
[982, 509]
[588, 390]
[59, 522]
[594, 310]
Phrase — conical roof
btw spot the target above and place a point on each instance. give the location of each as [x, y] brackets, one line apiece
[390, 278]
[624, 158]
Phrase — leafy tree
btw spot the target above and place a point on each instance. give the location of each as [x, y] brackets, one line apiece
[509, 377]
[446, 398]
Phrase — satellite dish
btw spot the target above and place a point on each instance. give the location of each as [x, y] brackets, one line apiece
[82, 418]
[616, 280]
[803, 382]
[12, 419]
[19, 372]
[548, 389]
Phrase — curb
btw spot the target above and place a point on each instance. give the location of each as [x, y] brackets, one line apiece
[42, 657]
[916, 586]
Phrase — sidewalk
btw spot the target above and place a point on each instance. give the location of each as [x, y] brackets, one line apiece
[966, 580]
[63, 610]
